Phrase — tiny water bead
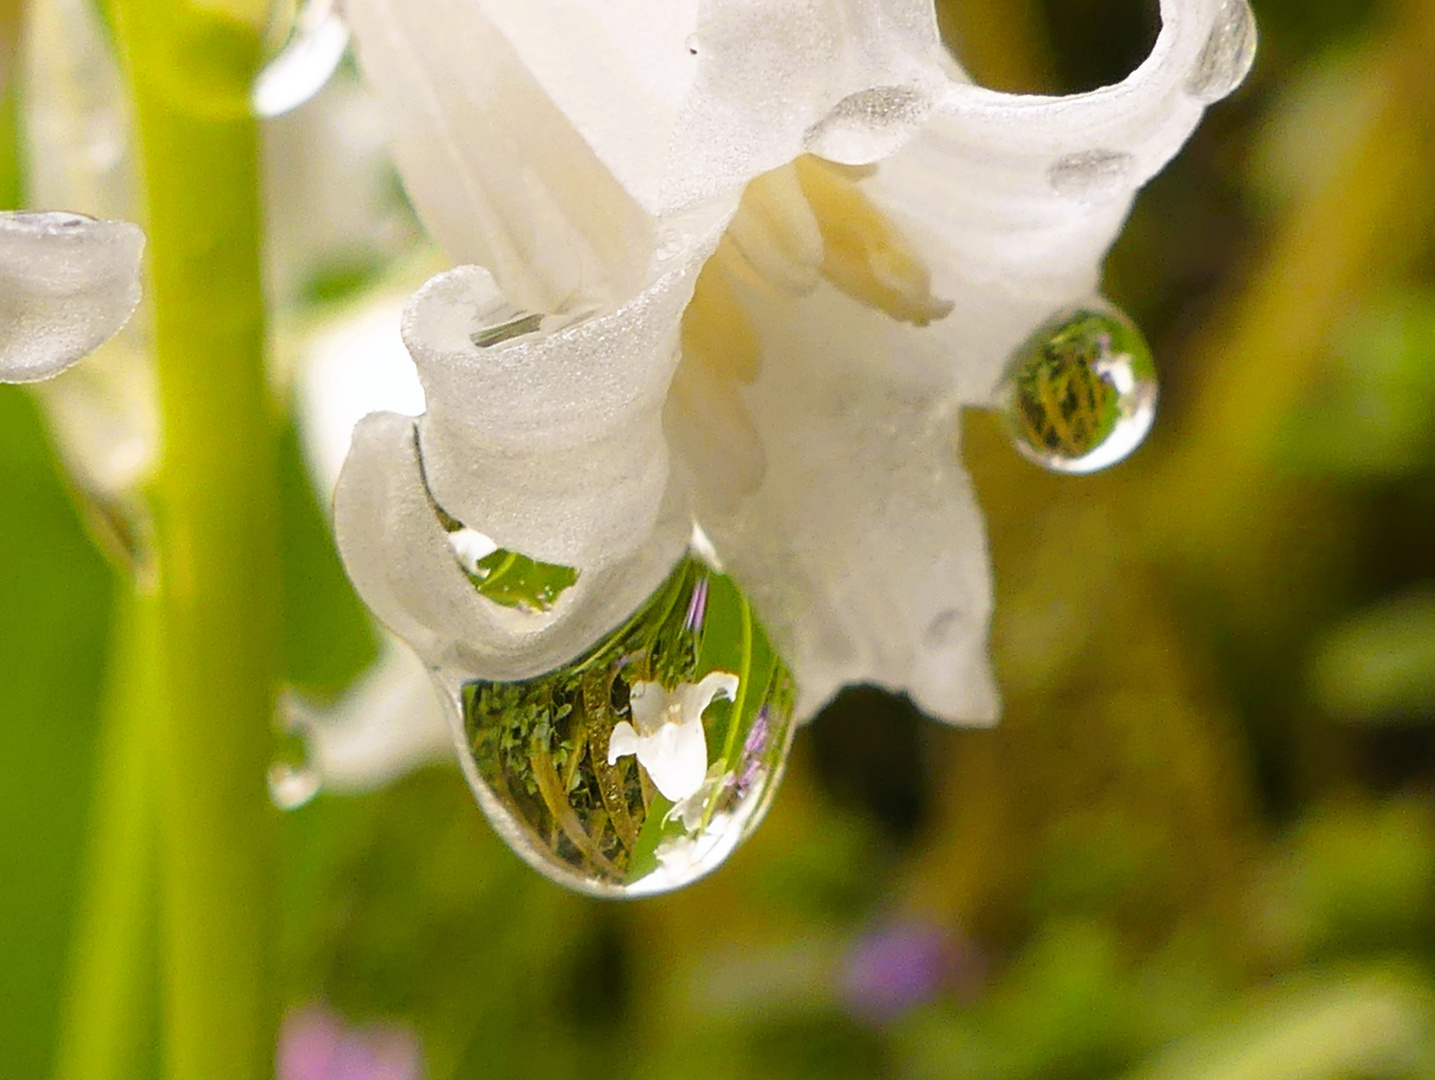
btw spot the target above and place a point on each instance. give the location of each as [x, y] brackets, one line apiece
[1080, 394]
[310, 52]
[640, 766]
[1228, 54]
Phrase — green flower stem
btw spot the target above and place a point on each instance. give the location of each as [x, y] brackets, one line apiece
[109, 1009]
[215, 503]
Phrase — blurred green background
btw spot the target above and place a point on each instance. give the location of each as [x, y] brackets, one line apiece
[1200, 845]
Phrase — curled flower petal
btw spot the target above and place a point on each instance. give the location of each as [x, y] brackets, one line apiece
[399, 557]
[67, 285]
[550, 443]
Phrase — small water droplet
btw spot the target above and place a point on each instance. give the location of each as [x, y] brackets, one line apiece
[292, 786]
[1092, 175]
[1228, 54]
[1080, 394]
[305, 62]
[868, 125]
[640, 766]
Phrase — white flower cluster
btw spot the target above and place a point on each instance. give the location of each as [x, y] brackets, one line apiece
[770, 247]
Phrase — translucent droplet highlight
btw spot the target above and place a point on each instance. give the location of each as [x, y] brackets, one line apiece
[1092, 175]
[292, 786]
[305, 62]
[868, 125]
[639, 767]
[1080, 394]
[1228, 54]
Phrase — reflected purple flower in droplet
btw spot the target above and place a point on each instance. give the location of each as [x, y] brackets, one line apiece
[697, 606]
[903, 963]
[754, 747]
[316, 1044]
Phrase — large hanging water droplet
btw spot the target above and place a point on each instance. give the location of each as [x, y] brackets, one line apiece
[1228, 53]
[1080, 394]
[640, 766]
[305, 62]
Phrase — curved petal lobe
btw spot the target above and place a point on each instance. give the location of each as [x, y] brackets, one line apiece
[398, 555]
[67, 285]
[1015, 200]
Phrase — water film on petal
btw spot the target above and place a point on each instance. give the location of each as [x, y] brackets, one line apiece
[67, 285]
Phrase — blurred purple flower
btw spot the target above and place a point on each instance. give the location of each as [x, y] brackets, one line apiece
[902, 963]
[316, 1044]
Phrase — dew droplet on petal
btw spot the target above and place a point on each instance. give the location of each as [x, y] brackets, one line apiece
[1080, 394]
[1092, 175]
[1228, 54]
[305, 62]
[292, 786]
[641, 765]
[868, 125]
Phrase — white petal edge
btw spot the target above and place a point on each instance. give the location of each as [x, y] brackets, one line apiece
[399, 558]
[863, 551]
[68, 283]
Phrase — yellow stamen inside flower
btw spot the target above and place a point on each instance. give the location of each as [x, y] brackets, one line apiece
[867, 257]
[795, 226]
[810, 220]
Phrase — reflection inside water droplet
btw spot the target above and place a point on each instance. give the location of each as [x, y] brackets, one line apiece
[305, 62]
[506, 577]
[1080, 394]
[1092, 174]
[1228, 53]
[639, 767]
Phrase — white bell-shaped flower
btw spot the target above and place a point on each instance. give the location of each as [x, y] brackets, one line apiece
[743, 260]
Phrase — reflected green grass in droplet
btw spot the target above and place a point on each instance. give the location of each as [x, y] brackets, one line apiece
[541, 745]
[1079, 394]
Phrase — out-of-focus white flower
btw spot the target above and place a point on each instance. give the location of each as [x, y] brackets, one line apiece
[67, 285]
[667, 731]
[776, 244]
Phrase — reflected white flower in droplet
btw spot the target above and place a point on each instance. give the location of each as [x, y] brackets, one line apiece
[780, 262]
[667, 731]
[68, 283]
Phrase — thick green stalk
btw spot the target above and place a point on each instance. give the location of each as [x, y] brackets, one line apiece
[108, 1011]
[215, 502]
